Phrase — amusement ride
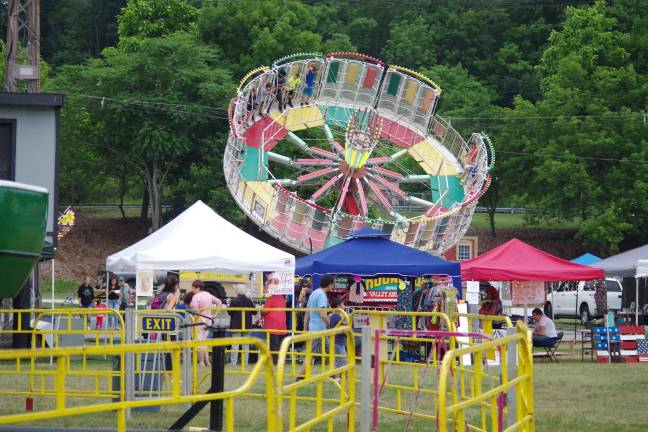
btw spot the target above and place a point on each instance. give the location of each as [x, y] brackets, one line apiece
[322, 145]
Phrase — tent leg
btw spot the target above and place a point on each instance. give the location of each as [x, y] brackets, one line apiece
[636, 301]
[53, 295]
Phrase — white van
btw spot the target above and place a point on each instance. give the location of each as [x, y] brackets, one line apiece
[570, 299]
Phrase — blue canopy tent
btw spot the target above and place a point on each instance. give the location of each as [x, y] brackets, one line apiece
[368, 252]
[586, 259]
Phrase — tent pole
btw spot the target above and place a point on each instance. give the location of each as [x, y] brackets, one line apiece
[636, 301]
[578, 312]
[553, 303]
[53, 264]
[293, 315]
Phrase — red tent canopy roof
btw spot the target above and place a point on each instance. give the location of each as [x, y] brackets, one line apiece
[518, 261]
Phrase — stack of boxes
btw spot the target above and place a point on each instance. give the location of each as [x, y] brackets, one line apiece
[630, 336]
[601, 341]
[633, 346]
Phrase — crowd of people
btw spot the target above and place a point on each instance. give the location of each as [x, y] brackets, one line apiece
[275, 320]
[282, 88]
[245, 317]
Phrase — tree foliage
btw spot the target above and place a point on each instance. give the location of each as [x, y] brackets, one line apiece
[150, 134]
[560, 89]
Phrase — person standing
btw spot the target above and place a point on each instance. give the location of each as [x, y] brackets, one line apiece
[600, 298]
[85, 293]
[240, 320]
[202, 300]
[279, 88]
[124, 294]
[113, 301]
[315, 321]
[168, 297]
[274, 321]
[99, 318]
[291, 87]
[310, 85]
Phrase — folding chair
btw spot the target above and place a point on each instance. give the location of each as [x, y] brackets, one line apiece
[551, 351]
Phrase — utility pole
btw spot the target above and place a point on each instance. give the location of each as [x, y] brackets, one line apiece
[23, 46]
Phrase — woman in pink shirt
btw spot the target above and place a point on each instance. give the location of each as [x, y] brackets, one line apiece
[203, 300]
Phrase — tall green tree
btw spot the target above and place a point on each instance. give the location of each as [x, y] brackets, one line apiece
[587, 130]
[75, 30]
[148, 119]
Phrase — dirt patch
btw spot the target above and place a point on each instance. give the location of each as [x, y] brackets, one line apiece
[84, 250]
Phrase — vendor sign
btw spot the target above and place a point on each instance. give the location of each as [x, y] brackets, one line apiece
[278, 283]
[212, 276]
[527, 293]
[382, 289]
[144, 283]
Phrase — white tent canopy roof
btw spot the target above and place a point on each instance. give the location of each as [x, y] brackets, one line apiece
[200, 239]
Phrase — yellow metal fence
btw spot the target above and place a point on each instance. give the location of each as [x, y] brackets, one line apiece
[472, 399]
[332, 375]
[458, 387]
[63, 387]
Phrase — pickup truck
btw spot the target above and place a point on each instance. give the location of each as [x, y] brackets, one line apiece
[562, 301]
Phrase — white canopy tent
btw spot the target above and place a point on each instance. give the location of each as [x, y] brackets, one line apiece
[200, 239]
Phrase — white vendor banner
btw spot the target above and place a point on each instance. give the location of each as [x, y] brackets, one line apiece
[278, 283]
[144, 283]
[527, 293]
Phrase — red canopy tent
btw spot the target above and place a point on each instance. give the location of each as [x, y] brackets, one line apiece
[518, 261]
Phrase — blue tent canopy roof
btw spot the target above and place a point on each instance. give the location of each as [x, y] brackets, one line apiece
[368, 233]
[586, 259]
[369, 252]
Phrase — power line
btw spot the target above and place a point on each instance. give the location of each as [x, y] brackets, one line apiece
[557, 156]
[159, 106]
[504, 118]
[584, 116]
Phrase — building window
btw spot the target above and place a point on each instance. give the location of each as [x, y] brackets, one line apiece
[464, 252]
[6, 151]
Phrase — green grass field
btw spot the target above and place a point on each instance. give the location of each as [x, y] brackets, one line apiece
[569, 396]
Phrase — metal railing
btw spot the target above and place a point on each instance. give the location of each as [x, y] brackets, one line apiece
[295, 356]
[501, 404]
[64, 395]
[319, 345]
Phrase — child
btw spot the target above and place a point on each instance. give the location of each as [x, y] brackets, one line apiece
[310, 84]
[340, 339]
[100, 318]
[291, 87]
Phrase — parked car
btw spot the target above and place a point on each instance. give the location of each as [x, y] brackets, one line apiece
[576, 299]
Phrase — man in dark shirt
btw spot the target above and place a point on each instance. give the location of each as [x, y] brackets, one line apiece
[86, 293]
[236, 321]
